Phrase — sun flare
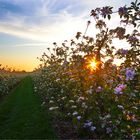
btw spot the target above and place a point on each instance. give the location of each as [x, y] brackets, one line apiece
[92, 64]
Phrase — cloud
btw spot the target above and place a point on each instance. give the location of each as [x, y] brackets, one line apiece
[40, 28]
[48, 20]
[32, 44]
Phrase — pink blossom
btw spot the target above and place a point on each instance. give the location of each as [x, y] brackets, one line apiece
[119, 89]
[122, 11]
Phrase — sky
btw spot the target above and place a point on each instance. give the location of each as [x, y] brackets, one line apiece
[28, 27]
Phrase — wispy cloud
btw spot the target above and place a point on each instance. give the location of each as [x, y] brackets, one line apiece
[44, 20]
[32, 45]
[57, 25]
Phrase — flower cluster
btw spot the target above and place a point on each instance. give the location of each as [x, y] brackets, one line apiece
[106, 11]
[122, 51]
[133, 40]
[119, 89]
[90, 100]
[89, 124]
[7, 82]
[130, 74]
[122, 11]
[100, 102]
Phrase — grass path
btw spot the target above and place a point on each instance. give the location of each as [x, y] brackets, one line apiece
[22, 116]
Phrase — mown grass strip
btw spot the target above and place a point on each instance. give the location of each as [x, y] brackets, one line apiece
[23, 117]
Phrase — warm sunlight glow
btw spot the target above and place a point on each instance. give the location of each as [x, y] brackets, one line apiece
[92, 64]
[22, 64]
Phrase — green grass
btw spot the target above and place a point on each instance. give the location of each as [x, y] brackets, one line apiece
[23, 117]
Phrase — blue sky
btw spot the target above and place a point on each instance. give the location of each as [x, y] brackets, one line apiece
[28, 27]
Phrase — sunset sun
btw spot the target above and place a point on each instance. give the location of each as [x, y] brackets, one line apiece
[92, 64]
